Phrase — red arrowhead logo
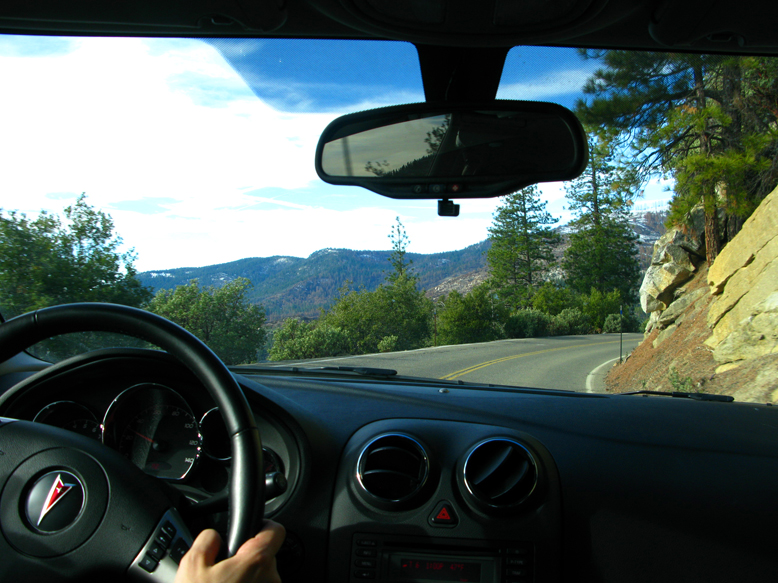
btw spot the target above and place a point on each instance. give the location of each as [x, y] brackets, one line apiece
[57, 492]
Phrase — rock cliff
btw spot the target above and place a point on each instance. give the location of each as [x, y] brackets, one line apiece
[710, 330]
[677, 256]
[743, 316]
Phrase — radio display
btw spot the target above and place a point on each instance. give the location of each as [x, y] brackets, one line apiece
[437, 570]
[421, 568]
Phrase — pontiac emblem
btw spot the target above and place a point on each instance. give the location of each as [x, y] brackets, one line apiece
[61, 490]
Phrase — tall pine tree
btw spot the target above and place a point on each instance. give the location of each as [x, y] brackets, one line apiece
[522, 246]
[603, 253]
[707, 120]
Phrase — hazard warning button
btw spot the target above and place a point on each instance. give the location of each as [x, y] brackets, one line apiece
[444, 515]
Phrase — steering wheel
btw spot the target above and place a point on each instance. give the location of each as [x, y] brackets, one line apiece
[71, 508]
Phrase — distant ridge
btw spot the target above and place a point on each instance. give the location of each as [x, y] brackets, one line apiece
[293, 286]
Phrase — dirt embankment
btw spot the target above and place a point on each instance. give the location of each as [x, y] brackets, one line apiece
[682, 362]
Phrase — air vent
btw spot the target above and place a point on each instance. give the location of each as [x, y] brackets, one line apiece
[499, 474]
[393, 469]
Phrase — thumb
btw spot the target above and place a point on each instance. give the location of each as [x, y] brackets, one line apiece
[204, 549]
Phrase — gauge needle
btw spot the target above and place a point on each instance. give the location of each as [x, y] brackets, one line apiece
[143, 436]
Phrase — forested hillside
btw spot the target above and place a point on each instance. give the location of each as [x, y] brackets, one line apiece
[293, 286]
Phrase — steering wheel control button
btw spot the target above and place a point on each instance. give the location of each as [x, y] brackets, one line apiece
[156, 550]
[444, 515]
[149, 563]
[55, 502]
[169, 529]
[364, 574]
[163, 538]
[179, 549]
[162, 559]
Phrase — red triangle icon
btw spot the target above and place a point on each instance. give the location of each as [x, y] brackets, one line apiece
[443, 514]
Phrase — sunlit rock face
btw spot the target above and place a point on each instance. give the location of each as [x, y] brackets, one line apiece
[675, 259]
[744, 279]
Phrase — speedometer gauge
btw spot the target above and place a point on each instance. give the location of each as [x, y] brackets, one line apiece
[153, 427]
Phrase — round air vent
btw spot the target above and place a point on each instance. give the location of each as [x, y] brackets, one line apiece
[499, 474]
[393, 469]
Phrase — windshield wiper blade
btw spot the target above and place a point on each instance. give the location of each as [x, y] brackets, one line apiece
[362, 370]
[683, 395]
[365, 371]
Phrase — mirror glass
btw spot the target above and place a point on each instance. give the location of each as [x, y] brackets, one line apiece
[438, 144]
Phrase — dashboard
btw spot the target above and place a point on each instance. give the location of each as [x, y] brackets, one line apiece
[419, 482]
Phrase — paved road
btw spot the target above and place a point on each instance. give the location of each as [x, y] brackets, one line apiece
[576, 363]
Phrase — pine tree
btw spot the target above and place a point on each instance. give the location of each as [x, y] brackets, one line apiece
[522, 246]
[707, 120]
[395, 316]
[607, 185]
[602, 255]
[604, 258]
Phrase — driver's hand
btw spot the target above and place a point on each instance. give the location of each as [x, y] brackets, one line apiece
[255, 561]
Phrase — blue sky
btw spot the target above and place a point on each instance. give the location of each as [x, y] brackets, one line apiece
[203, 152]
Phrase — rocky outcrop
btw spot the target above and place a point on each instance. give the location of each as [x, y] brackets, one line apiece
[676, 257]
[463, 284]
[719, 332]
[744, 279]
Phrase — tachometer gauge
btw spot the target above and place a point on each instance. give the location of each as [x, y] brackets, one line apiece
[273, 462]
[153, 427]
[72, 416]
[216, 440]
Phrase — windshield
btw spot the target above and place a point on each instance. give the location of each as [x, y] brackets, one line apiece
[177, 176]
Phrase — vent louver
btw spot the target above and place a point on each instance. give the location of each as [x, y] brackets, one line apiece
[393, 468]
[500, 473]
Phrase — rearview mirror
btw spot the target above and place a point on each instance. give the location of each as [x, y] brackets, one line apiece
[447, 151]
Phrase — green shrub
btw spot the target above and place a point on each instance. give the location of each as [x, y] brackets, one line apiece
[552, 299]
[570, 321]
[612, 324]
[470, 318]
[528, 323]
[387, 344]
[296, 340]
[598, 306]
[684, 385]
[629, 323]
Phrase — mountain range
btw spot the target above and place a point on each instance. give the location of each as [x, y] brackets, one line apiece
[300, 287]
[293, 286]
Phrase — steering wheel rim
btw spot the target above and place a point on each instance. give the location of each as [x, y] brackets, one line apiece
[246, 488]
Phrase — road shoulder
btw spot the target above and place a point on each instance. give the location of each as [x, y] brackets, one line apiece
[595, 380]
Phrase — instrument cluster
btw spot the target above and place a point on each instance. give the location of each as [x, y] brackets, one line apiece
[154, 427]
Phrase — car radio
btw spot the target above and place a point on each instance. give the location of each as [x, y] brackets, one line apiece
[389, 559]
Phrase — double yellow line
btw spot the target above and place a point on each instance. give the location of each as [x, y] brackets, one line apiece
[464, 371]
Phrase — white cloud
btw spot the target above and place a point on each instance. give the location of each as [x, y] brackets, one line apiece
[560, 82]
[113, 118]
[108, 122]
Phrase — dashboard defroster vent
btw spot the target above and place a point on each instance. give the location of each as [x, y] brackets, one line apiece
[393, 469]
[499, 474]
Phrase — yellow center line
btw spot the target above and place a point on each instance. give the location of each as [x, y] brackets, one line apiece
[464, 371]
